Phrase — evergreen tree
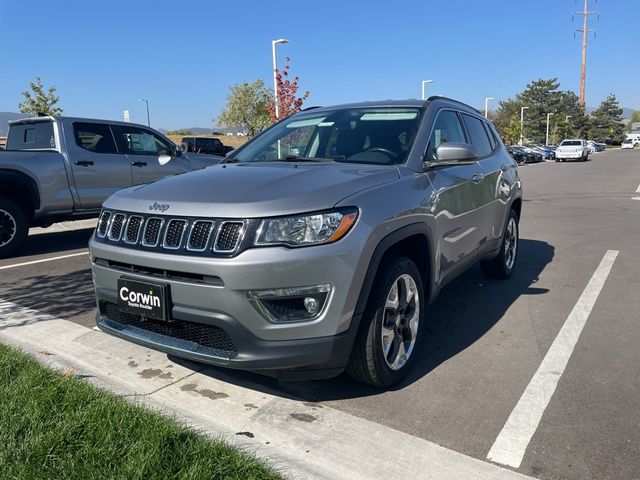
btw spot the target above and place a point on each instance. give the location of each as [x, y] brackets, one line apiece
[606, 122]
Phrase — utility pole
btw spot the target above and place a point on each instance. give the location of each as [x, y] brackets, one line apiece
[585, 31]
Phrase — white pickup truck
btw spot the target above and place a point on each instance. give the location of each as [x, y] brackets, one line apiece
[575, 149]
[62, 168]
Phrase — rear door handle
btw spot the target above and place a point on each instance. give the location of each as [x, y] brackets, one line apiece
[139, 164]
[477, 177]
[84, 163]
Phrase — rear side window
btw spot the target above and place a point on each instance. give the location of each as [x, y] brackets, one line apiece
[95, 137]
[492, 138]
[31, 136]
[477, 135]
[446, 129]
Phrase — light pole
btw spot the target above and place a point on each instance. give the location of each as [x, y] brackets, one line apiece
[486, 106]
[147, 102]
[522, 123]
[275, 66]
[424, 84]
[548, 117]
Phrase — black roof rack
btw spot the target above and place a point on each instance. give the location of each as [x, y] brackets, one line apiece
[311, 108]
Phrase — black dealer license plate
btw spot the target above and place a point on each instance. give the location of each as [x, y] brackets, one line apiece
[143, 298]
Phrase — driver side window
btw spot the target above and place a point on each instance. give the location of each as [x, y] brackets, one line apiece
[143, 142]
[447, 128]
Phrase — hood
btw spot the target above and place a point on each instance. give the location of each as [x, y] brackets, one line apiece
[250, 190]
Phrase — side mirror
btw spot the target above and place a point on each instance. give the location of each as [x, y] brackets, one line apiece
[164, 159]
[455, 153]
[178, 151]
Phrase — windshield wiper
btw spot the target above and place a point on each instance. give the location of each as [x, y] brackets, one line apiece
[296, 158]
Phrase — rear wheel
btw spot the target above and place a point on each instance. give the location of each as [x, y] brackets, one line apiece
[504, 263]
[14, 226]
[392, 325]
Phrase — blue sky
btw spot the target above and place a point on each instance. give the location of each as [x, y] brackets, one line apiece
[184, 55]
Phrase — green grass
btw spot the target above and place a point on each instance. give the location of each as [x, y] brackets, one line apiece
[58, 426]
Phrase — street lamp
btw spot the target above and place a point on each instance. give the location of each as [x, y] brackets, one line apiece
[548, 117]
[424, 83]
[147, 102]
[522, 123]
[275, 66]
[486, 106]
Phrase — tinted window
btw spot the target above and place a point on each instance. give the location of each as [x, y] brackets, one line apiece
[95, 137]
[142, 142]
[31, 136]
[446, 129]
[492, 138]
[477, 135]
[571, 143]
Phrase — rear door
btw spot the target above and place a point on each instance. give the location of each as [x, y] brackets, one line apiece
[99, 169]
[457, 200]
[144, 147]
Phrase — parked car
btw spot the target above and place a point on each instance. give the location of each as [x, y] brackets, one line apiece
[305, 265]
[572, 149]
[628, 143]
[547, 154]
[208, 145]
[63, 168]
[517, 154]
[533, 156]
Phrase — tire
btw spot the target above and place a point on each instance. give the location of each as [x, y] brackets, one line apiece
[14, 226]
[503, 265]
[374, 361]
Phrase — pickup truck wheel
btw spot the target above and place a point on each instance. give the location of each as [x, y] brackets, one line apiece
[392, 325]
[14, 227]
[503, 264]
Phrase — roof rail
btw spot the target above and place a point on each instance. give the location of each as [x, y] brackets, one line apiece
[438, 97]
[311, 108]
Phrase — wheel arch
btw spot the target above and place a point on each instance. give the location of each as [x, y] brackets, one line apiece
[21, 188]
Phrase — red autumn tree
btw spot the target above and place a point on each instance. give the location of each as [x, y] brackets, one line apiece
[288, 103]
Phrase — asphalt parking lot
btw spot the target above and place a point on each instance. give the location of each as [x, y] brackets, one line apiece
[486, 339]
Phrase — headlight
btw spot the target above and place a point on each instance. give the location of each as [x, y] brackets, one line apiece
[303, 230]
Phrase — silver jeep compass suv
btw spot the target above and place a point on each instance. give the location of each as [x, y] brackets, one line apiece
[317, 246]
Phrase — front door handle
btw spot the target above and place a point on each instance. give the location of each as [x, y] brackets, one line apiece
[477, 177]
[138, 164]
[84, 163]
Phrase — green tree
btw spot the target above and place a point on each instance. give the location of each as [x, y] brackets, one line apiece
[38, 101]
[635, 118]
[606, 122]
[247, 107]
[562, 129]
[540, 97]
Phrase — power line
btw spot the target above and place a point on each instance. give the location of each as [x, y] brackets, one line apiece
[585, 32]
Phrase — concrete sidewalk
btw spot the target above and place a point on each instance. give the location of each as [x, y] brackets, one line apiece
[301, 439]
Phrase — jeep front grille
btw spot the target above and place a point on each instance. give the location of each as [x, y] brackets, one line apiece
[173, 234]
[193, 236]
[228, 236]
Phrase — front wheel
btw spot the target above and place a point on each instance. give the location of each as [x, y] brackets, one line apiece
[14, 226]
[392, 325]
[503, 264]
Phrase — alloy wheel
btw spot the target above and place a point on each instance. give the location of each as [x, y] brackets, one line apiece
[8, 228]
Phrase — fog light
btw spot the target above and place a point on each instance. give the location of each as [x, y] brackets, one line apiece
[311, 304]
[291, 304]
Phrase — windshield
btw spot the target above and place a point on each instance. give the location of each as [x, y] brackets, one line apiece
[381, 136]
[571, 143]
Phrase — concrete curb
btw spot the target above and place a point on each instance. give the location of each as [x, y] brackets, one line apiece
[301, 439]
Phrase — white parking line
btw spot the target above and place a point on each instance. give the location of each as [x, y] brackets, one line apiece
[33, 262]
[513, 440]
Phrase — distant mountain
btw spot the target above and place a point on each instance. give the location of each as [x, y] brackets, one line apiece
[4, 121]
[626, 112]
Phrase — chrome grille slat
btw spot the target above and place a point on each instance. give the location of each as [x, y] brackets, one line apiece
[199, 235]
[103, 224]
[116, 227]
[174, 233]
[132, 231]
[151, 234]
[228, 238]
